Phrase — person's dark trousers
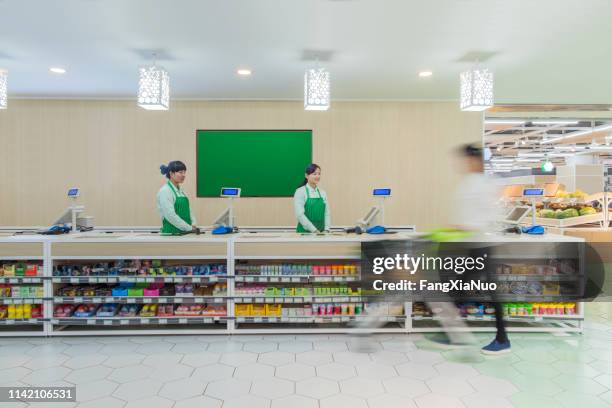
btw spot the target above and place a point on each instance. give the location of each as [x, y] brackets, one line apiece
[500, 324]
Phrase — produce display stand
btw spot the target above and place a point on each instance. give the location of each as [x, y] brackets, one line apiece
[269, 300]
[600, 218]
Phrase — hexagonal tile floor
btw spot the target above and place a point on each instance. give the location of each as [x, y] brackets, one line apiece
[318, 371]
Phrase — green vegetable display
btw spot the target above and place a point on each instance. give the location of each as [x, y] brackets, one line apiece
[569, 213]
[587, 211]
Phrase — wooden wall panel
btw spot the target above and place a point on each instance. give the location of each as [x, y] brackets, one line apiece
[112, 151]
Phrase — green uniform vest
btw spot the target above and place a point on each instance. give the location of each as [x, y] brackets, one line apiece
[314, 210]
[181, 207]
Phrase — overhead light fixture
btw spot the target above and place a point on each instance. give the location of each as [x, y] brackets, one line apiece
[154, 88]
[547, 166]
[528, 160]
[504, 122]
[476, 89]
[554, 122]
[244, 72]
[3, 89]
[543, 155]
[425, 74]
[523, 142]
[576, 134]
[57, 70]
[569, 147]
[316, 89]
[499, 148]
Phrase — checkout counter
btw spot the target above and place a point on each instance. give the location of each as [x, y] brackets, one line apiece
[261, 280]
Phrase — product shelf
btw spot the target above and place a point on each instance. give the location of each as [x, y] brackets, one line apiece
[491, 318]
[536, 278]
[136, 321]
[15, 322]
[22, 301]
[317, 319]
[294, 278]
[147, 279]
[22, 279]
[299, 299]
[140, 299]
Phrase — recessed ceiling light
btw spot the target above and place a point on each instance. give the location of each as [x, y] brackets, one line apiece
[57, 70]
[425, 74]
[244, 72]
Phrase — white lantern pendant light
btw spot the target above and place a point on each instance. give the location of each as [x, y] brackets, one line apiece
[3, 89]
[316, 89]
[154, 88]
[476, 89]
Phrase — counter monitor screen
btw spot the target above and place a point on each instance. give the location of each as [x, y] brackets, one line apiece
[73, 192]
[230, 192]
[533, 192]
[385, 192]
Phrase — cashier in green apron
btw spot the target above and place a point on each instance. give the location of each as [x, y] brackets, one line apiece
[310, 203]
[172, 203]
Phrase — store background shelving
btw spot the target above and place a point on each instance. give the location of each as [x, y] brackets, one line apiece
[348, 248]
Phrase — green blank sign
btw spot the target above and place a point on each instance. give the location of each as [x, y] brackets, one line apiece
[263, 163]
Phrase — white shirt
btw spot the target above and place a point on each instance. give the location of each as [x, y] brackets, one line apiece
[476, 202]
[165, 207]
[299, 200]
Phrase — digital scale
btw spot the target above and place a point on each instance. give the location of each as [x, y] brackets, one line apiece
[225, 222]
[71, 216]
[366, 224]
[518, 213]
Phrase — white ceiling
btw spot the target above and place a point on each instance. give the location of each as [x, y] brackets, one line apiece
[544, 51]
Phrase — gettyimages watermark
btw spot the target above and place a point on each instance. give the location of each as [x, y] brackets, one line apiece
[413, 264]
[420, 270]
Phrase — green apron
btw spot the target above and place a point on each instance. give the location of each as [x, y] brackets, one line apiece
[314, 210]
[181, 207]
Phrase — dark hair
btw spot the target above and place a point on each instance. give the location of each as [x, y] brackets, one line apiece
[470, 150]
[309, 170]
[172, 167]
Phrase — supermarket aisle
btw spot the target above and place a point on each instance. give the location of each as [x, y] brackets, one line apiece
[317, 371]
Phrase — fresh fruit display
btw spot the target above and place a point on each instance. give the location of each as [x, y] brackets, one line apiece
[562, 211]
[587, 211]
[576, 194]
[568, 213]
[546, 213]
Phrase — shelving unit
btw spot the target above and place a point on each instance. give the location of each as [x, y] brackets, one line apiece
[22, 253]
[168, 252]
[235, 252]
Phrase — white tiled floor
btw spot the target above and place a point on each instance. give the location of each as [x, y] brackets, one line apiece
[317, 371]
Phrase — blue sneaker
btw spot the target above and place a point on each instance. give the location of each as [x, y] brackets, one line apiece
[495, 347]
